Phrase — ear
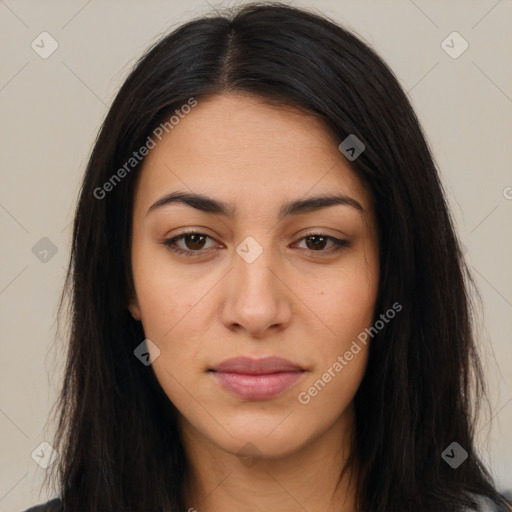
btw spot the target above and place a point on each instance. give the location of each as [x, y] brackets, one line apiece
[134, 308]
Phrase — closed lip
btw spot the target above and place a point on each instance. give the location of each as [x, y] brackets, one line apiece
[261, 366]
[257, 379]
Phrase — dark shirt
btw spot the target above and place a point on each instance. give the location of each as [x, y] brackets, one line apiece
[54, 505]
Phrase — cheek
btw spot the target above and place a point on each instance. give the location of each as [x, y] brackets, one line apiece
[334, 385]
[346, 302]
[341, 357]
[346, 307]
[168, 304]
[167, 295]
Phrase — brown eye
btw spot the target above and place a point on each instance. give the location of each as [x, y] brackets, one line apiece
[188, 244]
[318, 243]
[194, 241]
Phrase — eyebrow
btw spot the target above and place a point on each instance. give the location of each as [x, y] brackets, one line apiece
[209, 205]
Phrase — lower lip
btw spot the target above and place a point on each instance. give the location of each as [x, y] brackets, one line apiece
[257, 387]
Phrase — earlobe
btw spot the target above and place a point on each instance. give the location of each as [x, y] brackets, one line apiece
[134, 309]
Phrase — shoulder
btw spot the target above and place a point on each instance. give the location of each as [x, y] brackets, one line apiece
[54, 505]
[484, 504]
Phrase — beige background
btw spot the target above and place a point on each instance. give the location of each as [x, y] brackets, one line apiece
[52, 108]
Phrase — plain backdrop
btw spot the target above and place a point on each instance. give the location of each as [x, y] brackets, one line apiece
[51, 109]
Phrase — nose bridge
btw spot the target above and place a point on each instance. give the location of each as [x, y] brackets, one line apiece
[255, 298]
[252, 274]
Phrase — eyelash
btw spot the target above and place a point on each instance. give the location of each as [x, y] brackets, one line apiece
[339, 244]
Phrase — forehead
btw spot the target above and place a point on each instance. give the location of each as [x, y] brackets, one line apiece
[238, 146]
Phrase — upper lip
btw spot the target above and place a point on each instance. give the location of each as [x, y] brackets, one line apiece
[262, 366]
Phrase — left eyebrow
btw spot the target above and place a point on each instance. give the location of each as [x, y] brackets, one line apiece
[209, 205]
[311, 204]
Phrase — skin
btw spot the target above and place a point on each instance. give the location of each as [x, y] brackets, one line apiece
[295, 301]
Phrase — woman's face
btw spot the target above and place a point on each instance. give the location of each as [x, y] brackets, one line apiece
[264, 276]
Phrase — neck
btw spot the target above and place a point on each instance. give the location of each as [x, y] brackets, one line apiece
[308, 479]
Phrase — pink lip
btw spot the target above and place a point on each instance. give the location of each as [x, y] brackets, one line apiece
[257, 379]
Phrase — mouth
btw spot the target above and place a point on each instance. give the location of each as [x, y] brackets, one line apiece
[257, 379]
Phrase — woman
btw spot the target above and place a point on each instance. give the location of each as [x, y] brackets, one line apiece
[270, 308]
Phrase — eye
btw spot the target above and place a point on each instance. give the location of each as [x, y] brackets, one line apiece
[193, 243]
[316, 242]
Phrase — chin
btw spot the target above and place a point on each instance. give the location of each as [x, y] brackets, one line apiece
[251, 449]
[265, 438]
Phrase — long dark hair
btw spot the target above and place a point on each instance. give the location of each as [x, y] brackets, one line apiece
[117, 437]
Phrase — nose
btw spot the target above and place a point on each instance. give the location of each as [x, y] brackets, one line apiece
[256, 298]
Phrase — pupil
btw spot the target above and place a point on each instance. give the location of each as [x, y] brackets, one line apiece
[195, 240]
[319, 241]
